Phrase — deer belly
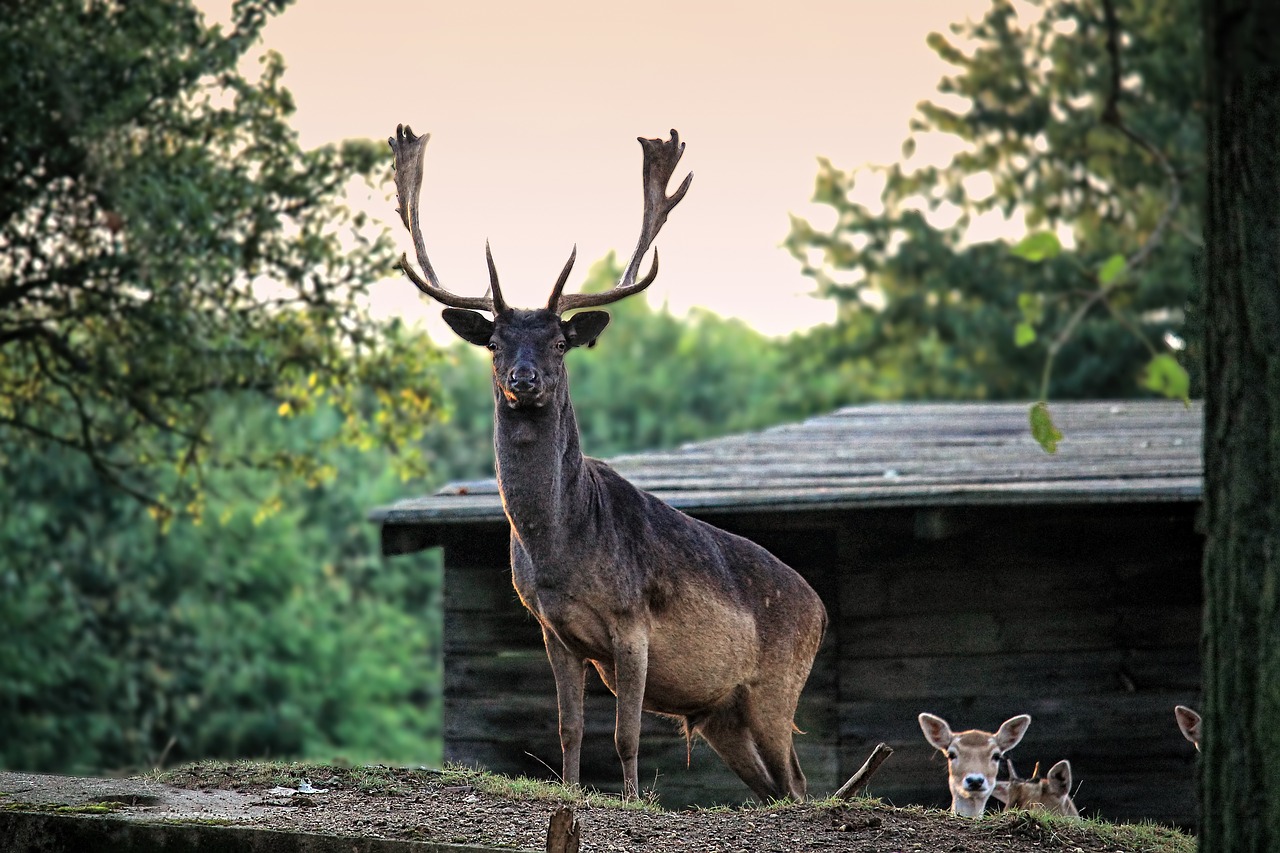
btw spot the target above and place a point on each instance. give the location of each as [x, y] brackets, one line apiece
[698, 660]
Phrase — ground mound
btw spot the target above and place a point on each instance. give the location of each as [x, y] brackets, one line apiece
[464, 806]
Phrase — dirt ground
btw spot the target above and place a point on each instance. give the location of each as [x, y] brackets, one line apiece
[459, 806]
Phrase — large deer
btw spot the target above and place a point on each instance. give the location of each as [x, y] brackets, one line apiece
[973, 758]
[1052, 794]
[678, 617]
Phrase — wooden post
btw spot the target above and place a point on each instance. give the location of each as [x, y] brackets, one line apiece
[563, 832]
[859, 780]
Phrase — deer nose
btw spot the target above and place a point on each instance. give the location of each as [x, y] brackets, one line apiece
[975, 782]
[523, 377]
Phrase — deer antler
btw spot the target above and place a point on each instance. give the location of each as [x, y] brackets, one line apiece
[408, 150]
[660, 159]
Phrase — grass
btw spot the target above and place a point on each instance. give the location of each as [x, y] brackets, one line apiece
[525, 789]
[54, 808]
[1145, 837]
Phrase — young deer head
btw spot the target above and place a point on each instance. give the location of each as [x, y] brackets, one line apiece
[973, 758]
[1188, 723]
[676, 616]
[1051, 794]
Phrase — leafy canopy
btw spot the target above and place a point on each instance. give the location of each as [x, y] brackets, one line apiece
[1085, 120]
[166, 244]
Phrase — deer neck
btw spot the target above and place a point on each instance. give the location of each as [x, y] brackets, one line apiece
[539, 466]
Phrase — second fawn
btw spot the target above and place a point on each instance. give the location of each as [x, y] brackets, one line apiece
[1051, 794]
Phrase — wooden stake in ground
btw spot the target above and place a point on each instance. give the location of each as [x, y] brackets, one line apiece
[859, 780]
[564, 832]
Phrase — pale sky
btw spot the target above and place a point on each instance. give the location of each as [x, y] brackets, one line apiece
[534, 108]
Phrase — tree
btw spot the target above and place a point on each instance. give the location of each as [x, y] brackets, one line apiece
[165, 245]
[1240, 801]
[250, 633]
[1059, 117]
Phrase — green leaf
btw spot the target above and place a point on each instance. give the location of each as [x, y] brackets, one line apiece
[1113, 271]
[1042, 428]
[1024, 334]
[1165, 376]
[1032, 307]
[1038, 246]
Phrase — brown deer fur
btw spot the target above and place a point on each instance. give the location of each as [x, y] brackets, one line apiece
[1052, 794]
[973, 758]
[678, 617]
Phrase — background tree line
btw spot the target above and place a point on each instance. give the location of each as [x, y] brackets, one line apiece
[196, 410]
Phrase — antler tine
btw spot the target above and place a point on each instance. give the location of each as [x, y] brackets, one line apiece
[660, 160]
[564, 276]
[499, 304]
[408, 150]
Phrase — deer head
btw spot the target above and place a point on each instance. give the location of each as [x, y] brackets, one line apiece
[1051, 794]
[973, 758]
[528, 346]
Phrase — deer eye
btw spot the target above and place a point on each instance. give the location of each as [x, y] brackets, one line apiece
[493, 347]
[952, 755]
[997, 758]
[559, 346]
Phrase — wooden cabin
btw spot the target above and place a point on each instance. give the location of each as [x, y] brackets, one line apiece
[966, 572]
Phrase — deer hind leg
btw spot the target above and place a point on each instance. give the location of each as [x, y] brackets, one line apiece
[570, 675]
[770, 711]
[727, 732]
[779, 756]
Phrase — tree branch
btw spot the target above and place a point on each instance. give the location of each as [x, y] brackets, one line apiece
[1111, 116]
[858, 781]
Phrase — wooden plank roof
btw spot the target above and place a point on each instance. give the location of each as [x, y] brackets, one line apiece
[899, 454]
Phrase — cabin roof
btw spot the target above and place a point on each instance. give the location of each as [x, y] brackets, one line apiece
[898, 454]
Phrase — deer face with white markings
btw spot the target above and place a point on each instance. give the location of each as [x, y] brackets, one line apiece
[973, 758]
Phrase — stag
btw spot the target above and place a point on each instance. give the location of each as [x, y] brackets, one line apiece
[678, 617]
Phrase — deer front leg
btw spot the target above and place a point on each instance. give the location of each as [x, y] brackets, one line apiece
[631, 671]
[570, 675]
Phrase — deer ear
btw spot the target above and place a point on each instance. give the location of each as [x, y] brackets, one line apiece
[936, 731]
[1189, 723]
[1001, 792]
[582, 329]
[472, 327]
[1011, 731]
[1059, 777]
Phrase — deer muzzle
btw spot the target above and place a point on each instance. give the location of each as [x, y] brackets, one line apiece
[524, 387]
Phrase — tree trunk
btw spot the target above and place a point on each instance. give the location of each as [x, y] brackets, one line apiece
[1240, 762]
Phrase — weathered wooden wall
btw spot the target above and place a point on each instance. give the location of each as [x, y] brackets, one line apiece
[1085, 617]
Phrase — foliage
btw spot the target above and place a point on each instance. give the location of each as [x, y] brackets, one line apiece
[250, 633]
[1055, 126]
[165, 242]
